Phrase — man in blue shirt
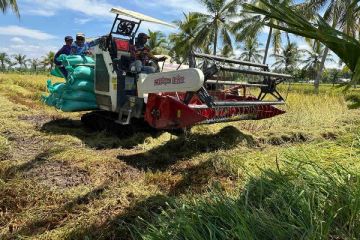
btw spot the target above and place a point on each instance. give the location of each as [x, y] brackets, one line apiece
[80, 47]
[64, 50]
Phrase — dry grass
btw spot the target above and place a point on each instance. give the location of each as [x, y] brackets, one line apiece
[59, 180]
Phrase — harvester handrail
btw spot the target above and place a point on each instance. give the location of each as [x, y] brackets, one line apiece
[254, 72]
[229, 60]
[245, 84]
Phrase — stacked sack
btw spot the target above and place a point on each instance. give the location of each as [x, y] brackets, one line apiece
[77, 93]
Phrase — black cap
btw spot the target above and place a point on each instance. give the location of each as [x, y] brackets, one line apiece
[143, 35]
[67, 38]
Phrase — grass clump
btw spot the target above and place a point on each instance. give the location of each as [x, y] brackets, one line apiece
[4, 149]
[300, 201]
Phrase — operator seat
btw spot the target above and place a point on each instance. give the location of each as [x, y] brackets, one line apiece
[120, 53]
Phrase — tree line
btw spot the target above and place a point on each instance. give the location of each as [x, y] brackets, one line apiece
[20, 62]
[226, 26]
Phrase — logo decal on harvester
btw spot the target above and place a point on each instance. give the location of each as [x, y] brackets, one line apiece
[165, 81]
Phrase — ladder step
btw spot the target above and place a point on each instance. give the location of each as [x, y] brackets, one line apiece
[124, 116]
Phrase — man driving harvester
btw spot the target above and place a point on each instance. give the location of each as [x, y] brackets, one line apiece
[141, 56]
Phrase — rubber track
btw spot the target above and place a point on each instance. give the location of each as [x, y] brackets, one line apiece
[105, 121]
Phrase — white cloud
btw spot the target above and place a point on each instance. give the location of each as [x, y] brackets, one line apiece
[17, 40]
[265, 30]
[40, 12]
[25, 32]
[238, 52]
[30, 50]
[93, 8]
[81, 21]
[101, 8]
[4, 49]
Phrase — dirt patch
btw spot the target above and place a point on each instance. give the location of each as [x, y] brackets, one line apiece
[286, 138]
[24, 147]
[38, 120]
[57, 173]
[329, 136]
[4, 149]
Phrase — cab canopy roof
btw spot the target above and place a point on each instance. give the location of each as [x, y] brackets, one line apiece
[139, 16]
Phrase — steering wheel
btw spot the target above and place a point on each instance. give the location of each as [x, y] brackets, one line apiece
[155, 64]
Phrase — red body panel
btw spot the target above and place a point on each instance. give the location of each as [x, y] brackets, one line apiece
[122, 45]
[167, 111]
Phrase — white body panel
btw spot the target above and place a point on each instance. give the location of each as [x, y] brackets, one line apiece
[113, 78]
[191, 79]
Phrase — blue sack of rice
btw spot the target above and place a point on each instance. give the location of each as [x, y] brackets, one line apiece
[71, 60]
[79, 96]
[81, 85]
[56, 87]
[74, 106]
[51, 100]
[81, 72]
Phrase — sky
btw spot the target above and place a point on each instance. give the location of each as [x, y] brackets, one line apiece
[44, 24]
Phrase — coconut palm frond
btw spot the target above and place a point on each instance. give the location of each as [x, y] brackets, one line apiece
[6, 4]
[346, 47]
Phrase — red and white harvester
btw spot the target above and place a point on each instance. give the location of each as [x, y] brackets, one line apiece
[179, 98]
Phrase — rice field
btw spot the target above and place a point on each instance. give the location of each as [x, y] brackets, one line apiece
[290, 177]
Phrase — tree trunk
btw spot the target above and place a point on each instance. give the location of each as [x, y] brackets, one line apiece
[322, 63]
[321, 67]
[215, 38]
[267, 46]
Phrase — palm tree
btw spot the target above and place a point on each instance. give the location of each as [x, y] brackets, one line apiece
[35, 63]
[182, 43]
[48, 60]
[21, 60]
[341, 14]
[4, 58]
[251, 52]
[226, 51]
[288, 59]
[215, 24]
[313, 56]
[251, 25]
[5, 4]
[157, 42]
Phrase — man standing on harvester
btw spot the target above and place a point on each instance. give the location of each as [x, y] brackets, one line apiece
[141, 56]
[80, 47]
[66, 49]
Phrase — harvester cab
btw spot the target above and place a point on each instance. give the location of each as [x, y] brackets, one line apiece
[174, 99]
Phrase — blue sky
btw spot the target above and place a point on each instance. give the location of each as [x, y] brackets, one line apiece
[44, 23]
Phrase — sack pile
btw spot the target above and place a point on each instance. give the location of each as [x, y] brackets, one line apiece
[77, 93]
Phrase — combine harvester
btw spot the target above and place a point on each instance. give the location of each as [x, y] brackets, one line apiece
[174, 99]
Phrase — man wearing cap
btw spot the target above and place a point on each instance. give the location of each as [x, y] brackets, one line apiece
[141, 56]
[80, 47]
[64, 50]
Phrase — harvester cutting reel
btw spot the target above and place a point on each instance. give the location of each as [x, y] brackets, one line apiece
[212, 66]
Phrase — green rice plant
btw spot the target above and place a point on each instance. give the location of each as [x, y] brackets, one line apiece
[299, 201]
